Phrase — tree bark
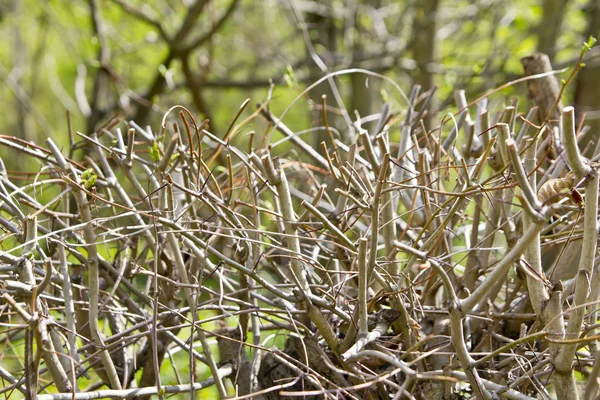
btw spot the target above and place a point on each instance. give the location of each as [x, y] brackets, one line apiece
[423, 43]
[366, 97]
[544, 91]
[587, 96]
[549, 28]
[322, 33]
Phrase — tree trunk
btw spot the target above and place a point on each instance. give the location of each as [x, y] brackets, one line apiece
[423, 43]
[549, 28]
[543, 91]
[322, 33]
[587, 96]
[366, 98]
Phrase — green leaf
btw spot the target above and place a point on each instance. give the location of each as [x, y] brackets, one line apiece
[290, 78]
[384, 95]
[591, 42]
[87, 173]
[88, 178]
[163, 70]
[90, 182]
[587, 46]
[154, 152]
[479, 67]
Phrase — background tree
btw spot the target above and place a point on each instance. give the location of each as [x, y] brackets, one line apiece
[553, 15]
[586, 97]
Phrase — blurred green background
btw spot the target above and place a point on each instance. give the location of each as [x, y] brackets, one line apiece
[94, 58]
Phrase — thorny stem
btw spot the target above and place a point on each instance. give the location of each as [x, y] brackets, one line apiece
[362, 288]
[499, 272]
[278, 179]
[576, 160]
[375, 214]
[456, 318]
[92, 263]
[590, 238]
[237, 229]
[526, 188]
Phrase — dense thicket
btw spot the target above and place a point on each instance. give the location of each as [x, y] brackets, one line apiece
[331, 235]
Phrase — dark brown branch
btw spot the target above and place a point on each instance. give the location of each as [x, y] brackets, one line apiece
[208, 35]
[142, 16]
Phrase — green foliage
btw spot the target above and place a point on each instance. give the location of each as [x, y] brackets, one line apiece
[88, 178]
[587, 46]
[290, 78]
[62, 49]
[154, 152]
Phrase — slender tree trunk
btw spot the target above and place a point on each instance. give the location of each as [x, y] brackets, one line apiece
[366, 97]
[322, 33]
[549, 28]
[20, 67]
[587, 96]
[423, 43]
